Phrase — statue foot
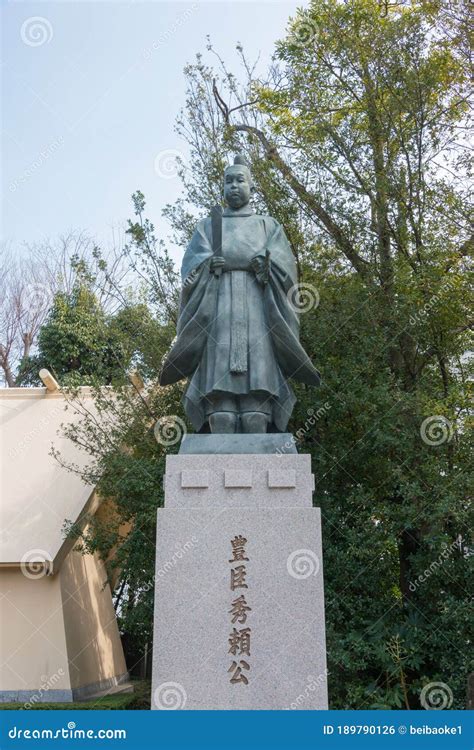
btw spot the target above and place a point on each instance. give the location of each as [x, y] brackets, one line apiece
[254, 421]
[222, 422]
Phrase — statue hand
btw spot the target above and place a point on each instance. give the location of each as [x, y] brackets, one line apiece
[260, 267]
[217, 261]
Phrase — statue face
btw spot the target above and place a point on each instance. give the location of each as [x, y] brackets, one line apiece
[237, 187]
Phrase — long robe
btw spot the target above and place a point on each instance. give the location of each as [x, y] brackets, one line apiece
[235, 335]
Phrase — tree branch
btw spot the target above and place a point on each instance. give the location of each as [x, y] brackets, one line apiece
[310, 200]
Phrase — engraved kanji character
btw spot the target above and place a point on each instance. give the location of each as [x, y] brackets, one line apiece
[239, 610]
[238, 675]
[237, 578]
[238, 548]
[239, 641]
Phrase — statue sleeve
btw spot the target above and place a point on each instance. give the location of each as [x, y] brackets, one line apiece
[197, 306]
[282, 318]
[198, 300]
[198, 250]
[281, 256]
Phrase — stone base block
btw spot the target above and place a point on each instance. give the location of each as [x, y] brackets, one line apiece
[233, 481]
[239, 601]
[206, 656]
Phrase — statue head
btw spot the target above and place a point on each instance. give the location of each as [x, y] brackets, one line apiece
[238, 183]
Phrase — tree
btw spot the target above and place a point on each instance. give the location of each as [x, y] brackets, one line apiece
[32, 276]
[24, 303]
[81, 343]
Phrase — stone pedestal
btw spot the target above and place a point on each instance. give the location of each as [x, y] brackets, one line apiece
[239, 603]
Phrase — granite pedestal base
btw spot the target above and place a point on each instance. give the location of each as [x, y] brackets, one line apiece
[239, 602]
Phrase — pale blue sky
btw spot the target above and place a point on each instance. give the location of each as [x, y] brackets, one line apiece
[86, 112]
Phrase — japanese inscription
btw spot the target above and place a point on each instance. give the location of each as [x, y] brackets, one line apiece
[239, 638]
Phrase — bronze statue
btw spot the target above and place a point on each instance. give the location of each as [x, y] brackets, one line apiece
[238, 331]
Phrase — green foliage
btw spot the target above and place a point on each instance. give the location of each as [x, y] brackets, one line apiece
[127, 465]
[81, 343]
[376, 478]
